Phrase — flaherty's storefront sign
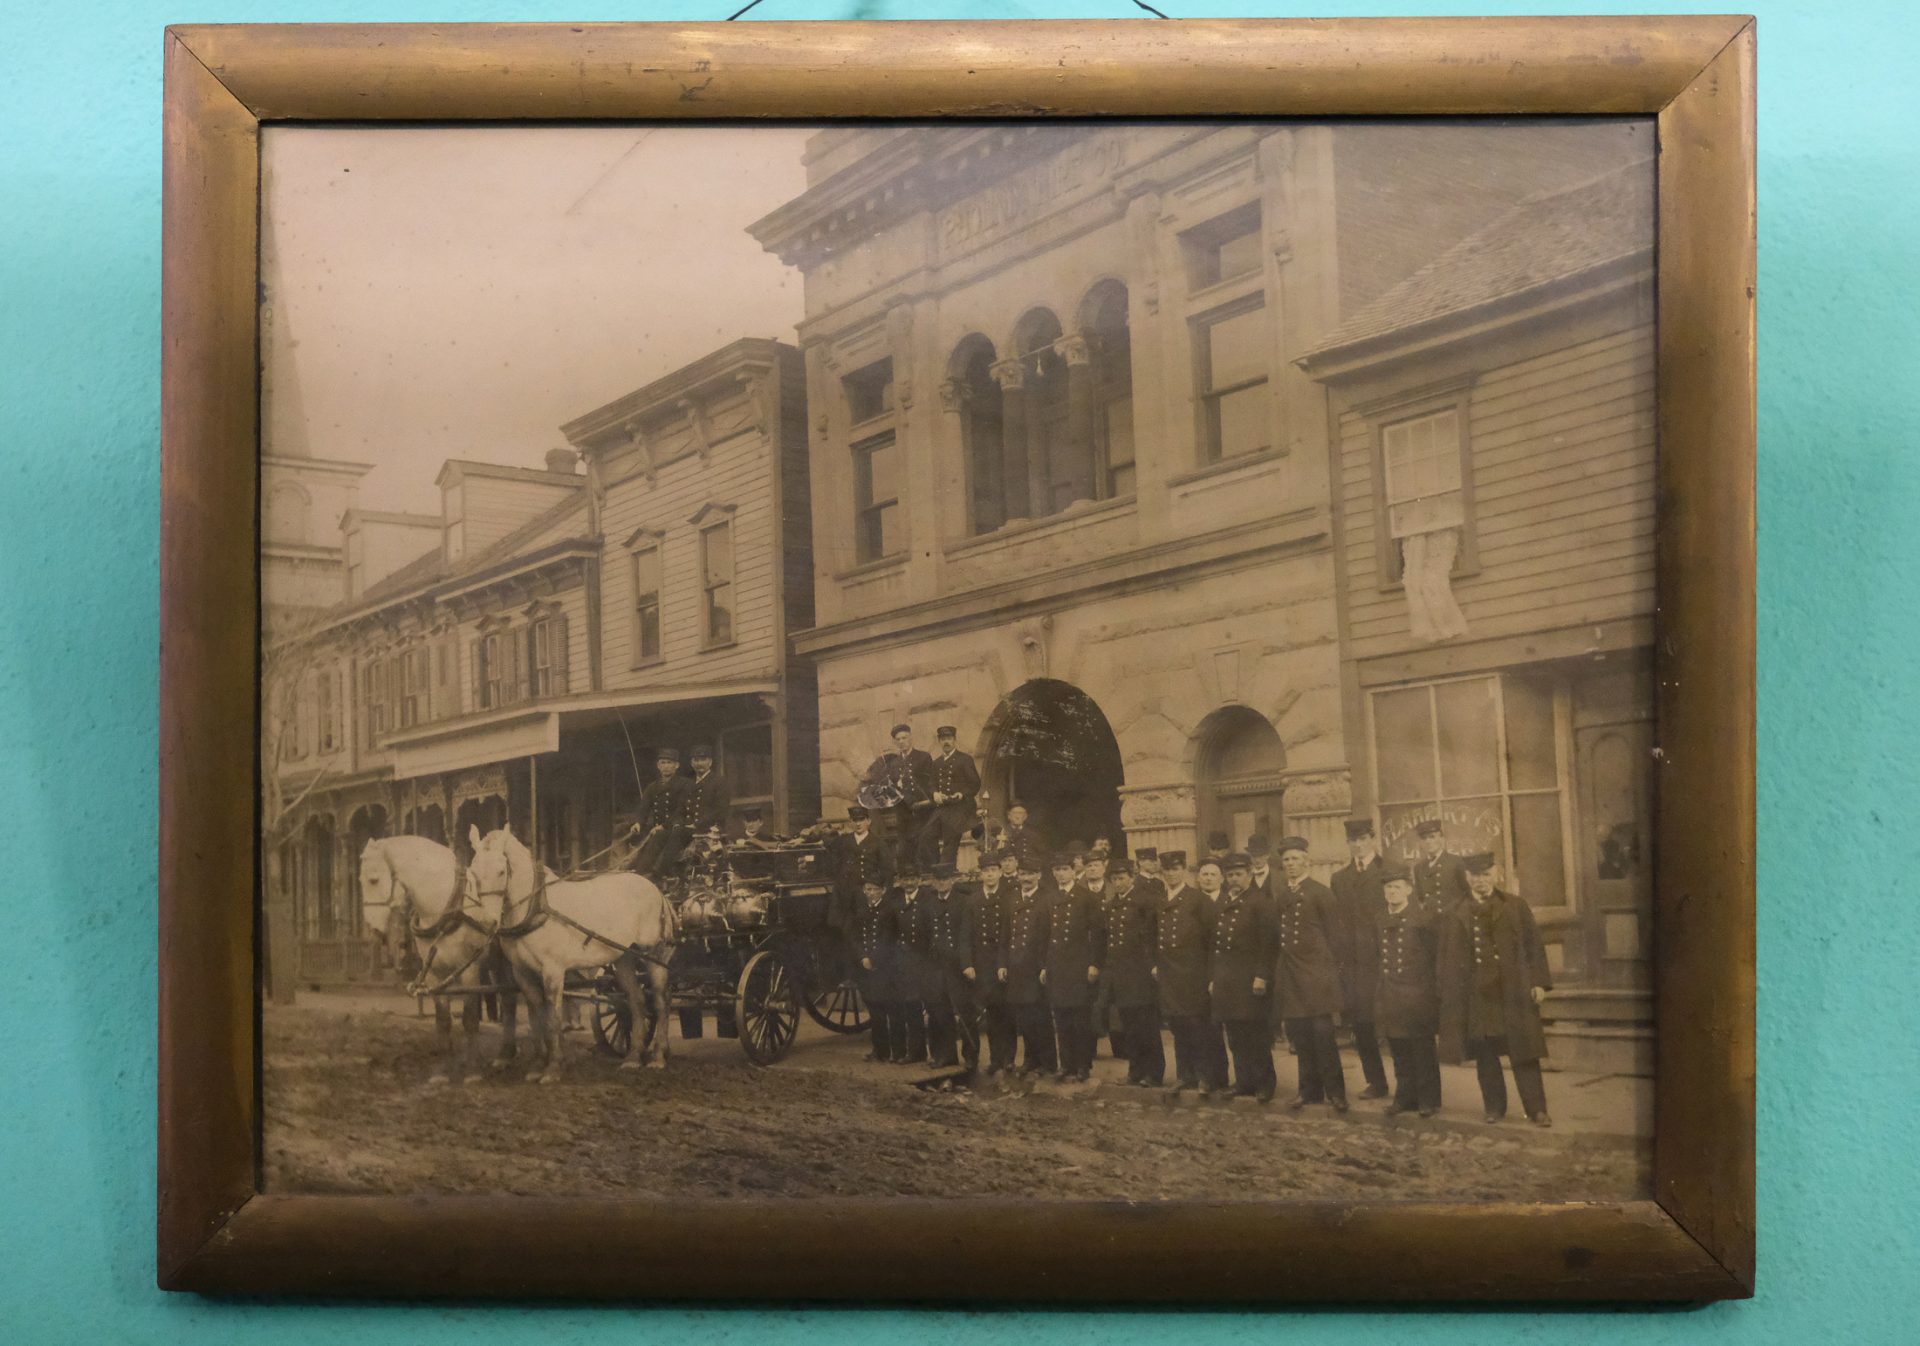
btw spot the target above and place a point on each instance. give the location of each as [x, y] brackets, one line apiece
[1472, 825]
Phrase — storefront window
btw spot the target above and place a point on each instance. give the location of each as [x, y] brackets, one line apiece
[1484, 755]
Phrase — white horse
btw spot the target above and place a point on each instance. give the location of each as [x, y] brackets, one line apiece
[549, 927]
[413, 885]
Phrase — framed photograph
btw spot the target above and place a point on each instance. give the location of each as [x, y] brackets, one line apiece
[959, 662]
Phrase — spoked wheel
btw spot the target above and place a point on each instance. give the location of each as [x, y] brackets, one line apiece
[767, 1008]
[838, 1007]
[612, 1025]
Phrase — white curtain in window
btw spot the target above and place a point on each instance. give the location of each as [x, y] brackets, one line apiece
[1427, 567]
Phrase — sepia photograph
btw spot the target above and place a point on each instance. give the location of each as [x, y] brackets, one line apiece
[1037, 660]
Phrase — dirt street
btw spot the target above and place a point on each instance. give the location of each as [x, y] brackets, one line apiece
[348, 1110]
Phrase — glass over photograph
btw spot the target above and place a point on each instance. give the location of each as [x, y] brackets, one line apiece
[1081, 663]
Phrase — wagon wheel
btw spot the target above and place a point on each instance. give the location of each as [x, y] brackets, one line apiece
[767, 1008]
[612, 1025]
[838, 1007]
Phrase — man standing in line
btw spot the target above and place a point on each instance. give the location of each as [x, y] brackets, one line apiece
[1260, 871]
[663, 815]
[1132, 917]
[1493, 976]
[1185, 945]
[876, 948]
[1439, 877]
[918, 980]
[1146, 862]
[1307, 978]
[1357, 899]
[1407, 996]
[1020, 840]
[953, 1016]
[907, 772]
[862, 856]
[954, 784]
[1076, 947]
[998, 880]
[1242, 964]
[1023, 957]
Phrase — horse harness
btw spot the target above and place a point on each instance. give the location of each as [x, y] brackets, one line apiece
[540, 911]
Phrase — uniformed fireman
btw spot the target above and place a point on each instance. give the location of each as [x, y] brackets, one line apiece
[1184, 936]
[1132, 917]
[918, 979]
[1356, 888]
[908, 772]
[1306, 978]
[1240, 973]
[953, 1015]
[1439, 876]
[708, 800]
[663, 818]
[862, 856]
[955, 784]
[1406, 993]
[1023, 954]
[1076, 946]
[998, 880]
[1020, 840]
[1493, 976]
[876, 952]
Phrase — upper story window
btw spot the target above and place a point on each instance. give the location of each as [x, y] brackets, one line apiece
[1233, 353]
[547, 654]
[646, 603]
[326, 702]
[716, 579]
[493, 672]
[1223, 249]
[1109, 372]
[446, 678]
[869, 391]
[876, 499]
[1424, 490]
[376, 681]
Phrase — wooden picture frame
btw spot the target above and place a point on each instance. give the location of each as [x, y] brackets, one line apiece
[1692, 1241]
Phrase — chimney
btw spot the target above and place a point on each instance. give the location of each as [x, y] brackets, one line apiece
[562, 460]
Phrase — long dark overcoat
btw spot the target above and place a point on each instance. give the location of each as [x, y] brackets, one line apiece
[1245, 936]
[1133, 921]
[1360, 899]
[1185, 948]
[876, 939]
[919, 977]
[1023, 948]
[1440, 882]
[1406, 999]
[1306, 972]
[1076, 941]
[1523, 966]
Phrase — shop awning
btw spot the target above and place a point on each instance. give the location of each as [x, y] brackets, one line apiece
[459, 747]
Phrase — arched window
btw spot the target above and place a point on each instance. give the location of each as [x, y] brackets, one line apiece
[1054, 463]
[978, 399]
[1109, 373]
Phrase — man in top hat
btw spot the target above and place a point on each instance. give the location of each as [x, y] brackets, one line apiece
[1493, 976]
[908, 771]
[955, 786]
[1260, 875]
[1307, 977]
[862, 856]
[1076, 947]
[1356, 888]
[1020, 839]
[708, 801]
[1439, 877]
[1132, 914]
[1023, 958]
[999, 877]
[876, 951]
[1218, 844]
[1239, 975]
[1184, 946]
[1406, 1005]
[953, 1015]
[918, 983]
[663, 817]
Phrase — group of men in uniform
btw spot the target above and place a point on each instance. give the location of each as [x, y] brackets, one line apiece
[935, 796]
[1021, 966]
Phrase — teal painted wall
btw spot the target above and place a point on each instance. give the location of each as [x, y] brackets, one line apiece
[1840, 711]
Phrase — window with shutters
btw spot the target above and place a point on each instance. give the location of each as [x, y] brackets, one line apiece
[328, 709]
[547, 649]
[492, 673]
[375, 683]
[445, 700]
[415, 674]
[716, 578]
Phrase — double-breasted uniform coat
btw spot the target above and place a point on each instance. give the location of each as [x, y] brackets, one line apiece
[1126, 978]
[990, 908]
[1306, 972]
[1440, 882]
[876, 949]
[1359, 900]
[1244, 946]
[1076, 942]
[1185, 951]
[952, 1004]
[1406, 1005]
[1023, 955]
[706, 802]
[953, 777]
[860, 859]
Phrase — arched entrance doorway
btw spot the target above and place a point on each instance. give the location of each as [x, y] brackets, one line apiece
[1049, 746]
[1241, 776]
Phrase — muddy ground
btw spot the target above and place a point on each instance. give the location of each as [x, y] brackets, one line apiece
[348, 1110]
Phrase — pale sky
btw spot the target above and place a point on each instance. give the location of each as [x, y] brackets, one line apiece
[460, 292]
